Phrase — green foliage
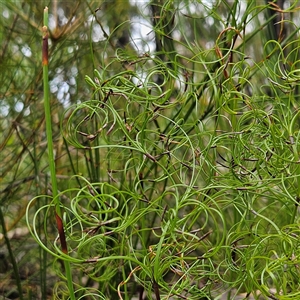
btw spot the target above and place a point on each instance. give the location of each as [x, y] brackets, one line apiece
[177, 168]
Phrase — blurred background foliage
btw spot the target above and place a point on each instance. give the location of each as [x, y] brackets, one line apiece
[113, 37]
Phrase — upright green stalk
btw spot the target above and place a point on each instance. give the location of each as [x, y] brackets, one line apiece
[58, 214]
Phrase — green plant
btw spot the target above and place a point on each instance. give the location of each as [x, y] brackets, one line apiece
[177, 169]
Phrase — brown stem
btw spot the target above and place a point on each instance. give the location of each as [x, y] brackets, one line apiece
[45, 46]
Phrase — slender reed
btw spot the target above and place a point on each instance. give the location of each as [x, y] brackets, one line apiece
[58, 214]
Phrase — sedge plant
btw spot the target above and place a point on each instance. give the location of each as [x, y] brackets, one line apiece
[184, 162]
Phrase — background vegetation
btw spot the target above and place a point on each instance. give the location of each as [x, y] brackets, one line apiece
[176, 140]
